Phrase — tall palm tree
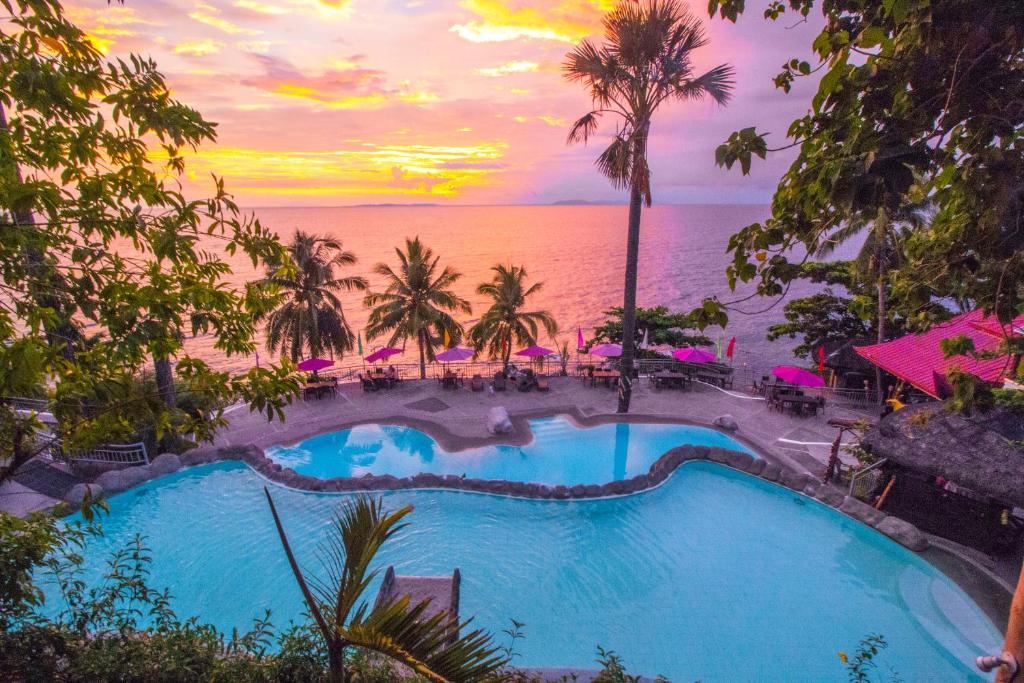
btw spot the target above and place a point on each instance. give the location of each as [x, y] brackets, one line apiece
[644, 62]
[396, 629]
[417, 302]
[882, 251]
[505, 322]
[310, 318]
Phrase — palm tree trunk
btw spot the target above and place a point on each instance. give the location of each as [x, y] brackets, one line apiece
[506, 352]
[629, 302]
[881, 230]
[336, 663]
[423, 355]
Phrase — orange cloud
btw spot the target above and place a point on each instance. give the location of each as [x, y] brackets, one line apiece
[197, 48]
[359, 168]
[350, 87]
[207, 14]
[502, 20]
[508, 68]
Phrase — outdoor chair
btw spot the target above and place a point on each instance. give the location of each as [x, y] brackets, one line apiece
[476, 383]
[543, 383]
[498, 382]
[368, 384]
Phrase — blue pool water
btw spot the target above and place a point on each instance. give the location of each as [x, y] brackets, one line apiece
[560, 453]
[716, 575]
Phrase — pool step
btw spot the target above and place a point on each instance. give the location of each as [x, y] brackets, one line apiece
[441, 591]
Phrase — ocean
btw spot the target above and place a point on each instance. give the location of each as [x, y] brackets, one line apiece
[578, 252]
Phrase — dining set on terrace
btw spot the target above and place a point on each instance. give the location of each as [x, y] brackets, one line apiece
[785, 390]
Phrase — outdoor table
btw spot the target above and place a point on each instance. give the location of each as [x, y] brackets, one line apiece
[318, 388]
[668, 378]
[604, 375]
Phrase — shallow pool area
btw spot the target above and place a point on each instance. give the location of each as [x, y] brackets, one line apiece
[715, 575]
[561, 452]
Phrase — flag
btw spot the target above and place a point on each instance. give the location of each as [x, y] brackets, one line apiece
[359, 339]
[732, 348]
[447, 340]
[579, 339]
[821, 360]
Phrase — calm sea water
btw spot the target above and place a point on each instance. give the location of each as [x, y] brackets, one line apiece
[577, 251]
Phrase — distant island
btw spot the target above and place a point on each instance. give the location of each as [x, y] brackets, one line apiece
[581, 202]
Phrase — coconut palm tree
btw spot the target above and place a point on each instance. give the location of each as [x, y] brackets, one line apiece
[310, 317]
[430, 646]
[505, 322]
[883, 250]
[644, 63]
[416, 303]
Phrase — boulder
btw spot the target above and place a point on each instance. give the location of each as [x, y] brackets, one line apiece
[498, 421]
[904, 533]
[861, 511]
[578, 491]
[830, 496]
[737, 460]
[77, 493]
[726, 422]
[771, 472]
[794, 480]
[811, 487]
[116, 481]
[757, 466]
[165, 463]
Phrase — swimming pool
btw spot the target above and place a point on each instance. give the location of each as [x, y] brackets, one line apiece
[561, 452]
[715, 575]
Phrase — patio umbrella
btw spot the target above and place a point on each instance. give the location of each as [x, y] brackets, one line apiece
[314, 364]
[607, 350]
[382, 354]
[799, 376]
[534, 352]
[455, 353]
[692, 355]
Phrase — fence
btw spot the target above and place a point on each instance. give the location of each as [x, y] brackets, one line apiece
[108, 454]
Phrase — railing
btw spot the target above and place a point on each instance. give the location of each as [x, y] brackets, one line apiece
[116, 454]
[861, 473]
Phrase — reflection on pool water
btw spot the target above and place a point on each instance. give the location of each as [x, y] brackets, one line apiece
[560, 453]
[715, 575]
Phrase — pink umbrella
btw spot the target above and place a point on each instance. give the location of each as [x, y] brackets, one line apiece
[455, 353]
[381, 354]
[692, 355]
[314, 364]
[606, 350]
[795, 375]
[534, 352]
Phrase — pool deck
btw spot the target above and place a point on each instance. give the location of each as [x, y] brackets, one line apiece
[457, 419]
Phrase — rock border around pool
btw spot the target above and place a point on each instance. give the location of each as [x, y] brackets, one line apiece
[897, 529]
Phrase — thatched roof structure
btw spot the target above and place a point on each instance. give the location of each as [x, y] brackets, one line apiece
[975, 452]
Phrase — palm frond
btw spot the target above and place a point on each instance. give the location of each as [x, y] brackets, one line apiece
[427, 645]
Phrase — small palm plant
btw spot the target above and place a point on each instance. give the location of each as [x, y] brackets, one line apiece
[645, 62]
[505, 322]
[394, 629]
[417, 302]
[310, 317]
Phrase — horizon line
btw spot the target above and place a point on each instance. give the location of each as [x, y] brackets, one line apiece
[437, 205]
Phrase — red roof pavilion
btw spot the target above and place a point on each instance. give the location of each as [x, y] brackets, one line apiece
[918, 358]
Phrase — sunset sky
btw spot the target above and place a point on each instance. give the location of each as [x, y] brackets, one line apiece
[334, 102]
